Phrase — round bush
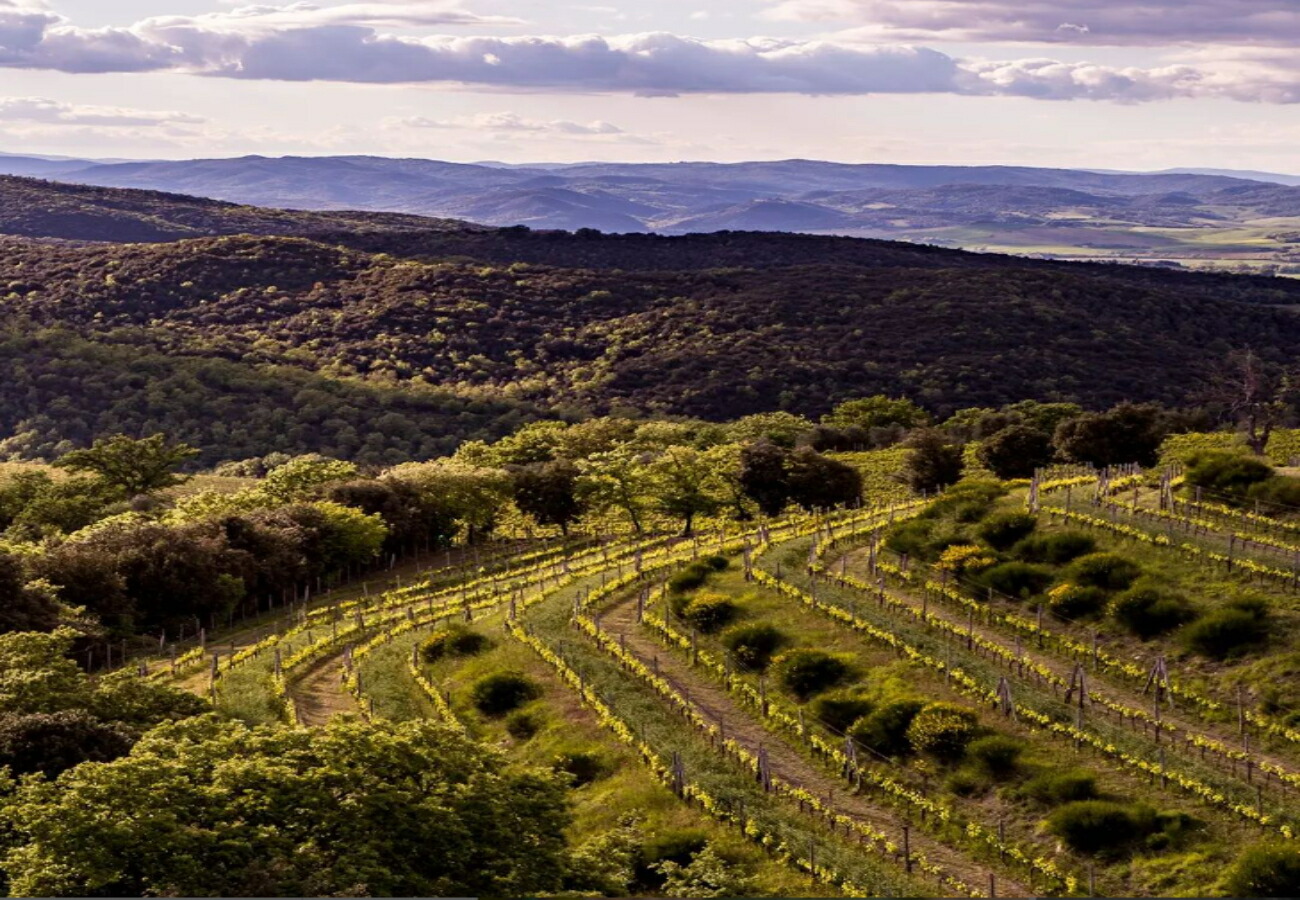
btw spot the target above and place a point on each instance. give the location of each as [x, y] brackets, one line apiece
[1017, 579]
[753, 645]
[1056, 548]
[500, 693]
[1280, 491]
[710, 612]
[455, 641]
[690, 578]
[1099, 826]
[997, 755]
[1229, 473]
[1267, 870]
[805, 672]
[885, 729]
[1107, 571]
[1056, 788]
[583, 767]
[51, 743]
[522, 725]
[1227, 632]
[1004, 531]
[840, 710]
[716, 563]
[1072, 601]
[1149, 612]
[943, 730]
[910, 538]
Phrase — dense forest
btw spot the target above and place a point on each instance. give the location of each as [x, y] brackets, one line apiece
[465, 332]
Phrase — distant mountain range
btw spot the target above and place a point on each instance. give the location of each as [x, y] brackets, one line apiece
[1176, 215]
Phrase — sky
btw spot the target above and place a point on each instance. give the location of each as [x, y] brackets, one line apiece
[1147, 84]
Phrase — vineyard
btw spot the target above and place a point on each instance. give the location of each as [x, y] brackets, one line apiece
[809, 705]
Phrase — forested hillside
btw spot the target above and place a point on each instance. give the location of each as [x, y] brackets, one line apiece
[464, 332]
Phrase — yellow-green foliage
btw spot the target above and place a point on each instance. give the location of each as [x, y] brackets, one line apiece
[1284, 446]
[1179, 448]
[881, 472]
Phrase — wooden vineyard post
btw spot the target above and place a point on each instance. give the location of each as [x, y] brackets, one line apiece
[907, 849]
[1005, 702]
[1078, 682]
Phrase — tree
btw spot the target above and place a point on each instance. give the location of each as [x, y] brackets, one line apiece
[549, 493]
[133, 466]
[876, 412]
[1128, 433]
[304, 476]
[933, 463]
[472, 495]
[780, 428]
[1256, 396]
[617, 479]
[819, 483]
[25, 607]
[211, 808]
[764, 477]
[51, 743]
[1017, 451]
[684, 484]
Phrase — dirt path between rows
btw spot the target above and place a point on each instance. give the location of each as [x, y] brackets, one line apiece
[319, 695]
[787, 763]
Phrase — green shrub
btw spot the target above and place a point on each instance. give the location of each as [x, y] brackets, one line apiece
[1266, 870]
[458, 640]
[753, 645]
[804, 672]
[710, 612]
[497, 694]
[1055, 548]
[678, 846]
[717, 563]
[943, 730]
[1108, 571]
[965, 783]
[1058, 787]
[841, 710]
[1278, 491]
[1228, 473]
[582, 766]
[996, 755]
[690, 578]
[1017, 579]
[911, 538]
[885, 729]
[1229, 631]
[1148, 612]
[1100, 826]
[1072, 601]
[1004, 531]
[522, 725]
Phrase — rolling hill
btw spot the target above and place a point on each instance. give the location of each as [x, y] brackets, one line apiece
[465, 331]
[1192, 218]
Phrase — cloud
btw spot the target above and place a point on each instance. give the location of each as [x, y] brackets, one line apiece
[510, 123]
[304, 42]
[374, 14]
[1106, 22]
[51, 112]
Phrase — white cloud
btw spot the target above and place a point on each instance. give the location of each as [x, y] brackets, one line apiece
[510, 123]
[373, 14]
[304, 42]
[51, 112]
[1139, 23]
